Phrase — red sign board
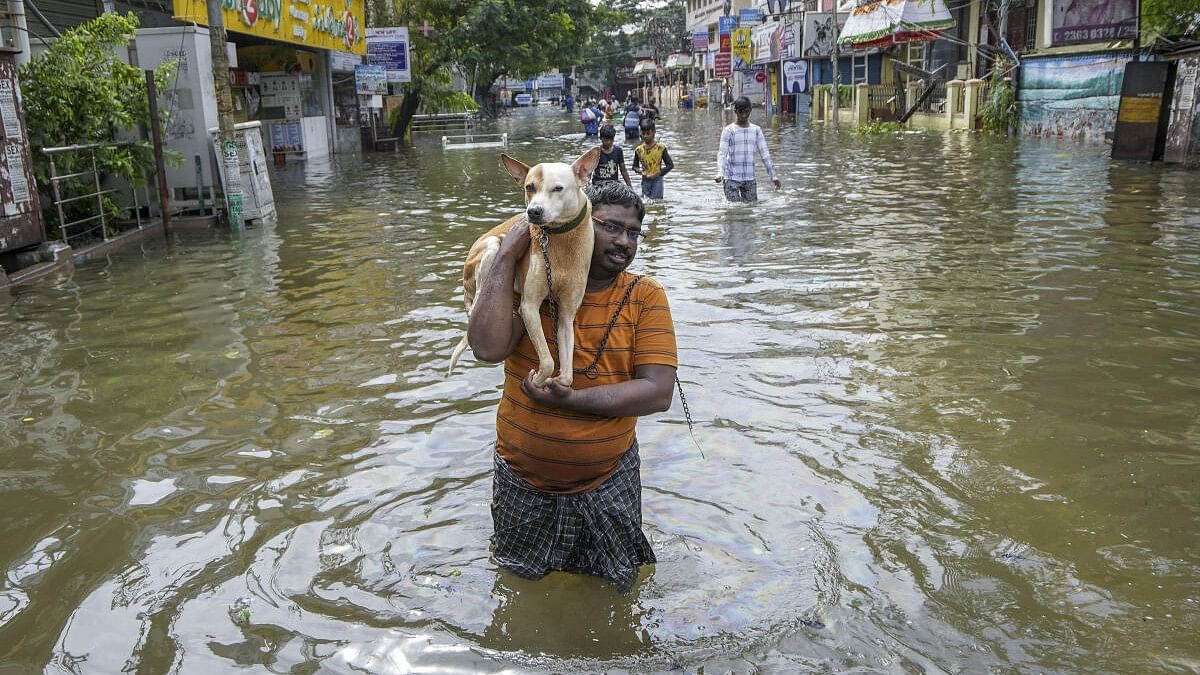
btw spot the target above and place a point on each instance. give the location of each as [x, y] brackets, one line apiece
[726, 43]
[722, 66]
[760, 76]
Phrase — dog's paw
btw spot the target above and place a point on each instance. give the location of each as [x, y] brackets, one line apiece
[565, 379]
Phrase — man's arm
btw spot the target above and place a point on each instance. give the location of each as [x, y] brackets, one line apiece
[667, 164]
[493, 330]
[625, 173]
[723, 155]
[637, 162]
[765, 153]
[651, 390]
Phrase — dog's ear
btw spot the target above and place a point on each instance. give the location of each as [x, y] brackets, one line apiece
[515, 168]
[585, 165]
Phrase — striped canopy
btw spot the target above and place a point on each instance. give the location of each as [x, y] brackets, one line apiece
[884, 22]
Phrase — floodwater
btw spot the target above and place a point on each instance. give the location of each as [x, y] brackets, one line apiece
[947, 389]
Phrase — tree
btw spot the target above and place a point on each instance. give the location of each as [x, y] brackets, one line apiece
[485, 39]
[1169, 18]
[80, 92]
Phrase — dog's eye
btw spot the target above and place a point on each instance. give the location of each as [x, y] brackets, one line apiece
[530, 187]
[558, 189]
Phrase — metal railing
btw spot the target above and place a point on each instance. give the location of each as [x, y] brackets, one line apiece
[63, 194]
[936, 101]
[443, 122]
[882, 100]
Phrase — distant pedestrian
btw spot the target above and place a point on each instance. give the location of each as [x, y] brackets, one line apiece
[612, 159]
[649, 110]
[591, 118]
[569, 102]
[652, 161]
[633, 120]
[740, 142]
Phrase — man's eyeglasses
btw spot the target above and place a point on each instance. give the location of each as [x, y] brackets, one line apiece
[613, 228]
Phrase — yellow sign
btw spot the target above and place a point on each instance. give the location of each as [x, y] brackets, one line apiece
[327, 24]
[1139, 110]
[742, 44]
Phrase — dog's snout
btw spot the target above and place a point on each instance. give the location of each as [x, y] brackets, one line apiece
[535, 214]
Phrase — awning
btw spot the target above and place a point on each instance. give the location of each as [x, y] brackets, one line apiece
[679, 61]
[644, 67]
[885, 22]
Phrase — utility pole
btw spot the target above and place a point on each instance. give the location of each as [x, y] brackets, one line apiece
[231, 174]
[837, 72]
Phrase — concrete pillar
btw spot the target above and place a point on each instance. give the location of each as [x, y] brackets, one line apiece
[954, 89]
[862, 103]
[971, 101]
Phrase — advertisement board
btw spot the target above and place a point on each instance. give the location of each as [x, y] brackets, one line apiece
[819, 33]
[388, 47]
[1080, 21]
[795, 77]
[370, 80]
[337, 25]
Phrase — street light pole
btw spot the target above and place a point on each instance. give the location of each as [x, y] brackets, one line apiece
[227, 148]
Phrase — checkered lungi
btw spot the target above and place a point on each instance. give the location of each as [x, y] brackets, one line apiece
[597, 532]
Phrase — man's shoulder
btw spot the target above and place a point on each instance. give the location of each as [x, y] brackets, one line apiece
[646, 284]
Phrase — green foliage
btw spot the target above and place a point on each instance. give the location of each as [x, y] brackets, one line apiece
[81, 92]
[845, 93]
[1169, 18]
[875, 127]
[1000, 112]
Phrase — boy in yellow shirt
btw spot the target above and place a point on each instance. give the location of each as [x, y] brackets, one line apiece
[652, 160]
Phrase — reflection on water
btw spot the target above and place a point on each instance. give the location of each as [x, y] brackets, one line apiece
[946, 387]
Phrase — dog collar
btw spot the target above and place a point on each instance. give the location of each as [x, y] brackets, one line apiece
[579, 218]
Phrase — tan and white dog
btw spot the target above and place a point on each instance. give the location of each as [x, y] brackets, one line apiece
[556, 205]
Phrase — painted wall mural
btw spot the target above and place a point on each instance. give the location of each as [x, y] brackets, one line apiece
[1071, 97]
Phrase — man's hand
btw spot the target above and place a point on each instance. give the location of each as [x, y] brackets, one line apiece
[720, 179]
[552, 393]
[778, 185]
[516, 240]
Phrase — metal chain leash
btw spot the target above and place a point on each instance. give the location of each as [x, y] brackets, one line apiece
[544, 244]
[591, 371]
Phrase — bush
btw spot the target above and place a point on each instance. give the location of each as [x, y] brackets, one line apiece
[80, 92]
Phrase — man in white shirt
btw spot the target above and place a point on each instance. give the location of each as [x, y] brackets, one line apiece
[740, 142]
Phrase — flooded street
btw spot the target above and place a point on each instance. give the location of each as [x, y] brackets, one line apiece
[947, 389]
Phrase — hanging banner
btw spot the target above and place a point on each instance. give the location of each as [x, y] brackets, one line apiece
[722, 64]
[1080, 21]
[327, 24]
[749, 17]
[726, 24]
[700, 41]
[388, 47]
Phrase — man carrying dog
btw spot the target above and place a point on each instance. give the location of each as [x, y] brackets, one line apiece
[740, 142]
[567, 486]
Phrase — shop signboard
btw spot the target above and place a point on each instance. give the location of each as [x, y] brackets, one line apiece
[749, 17]
[795, 77]
[1076, 22]
[550, 81]
[743, 47]
[726, 24]
[326, 24]
[388, 47]
[343, 62]
[722, 64]
[700, 40]
[766, 42]
[370, 80]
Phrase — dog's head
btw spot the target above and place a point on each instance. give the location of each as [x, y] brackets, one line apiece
[552, 189]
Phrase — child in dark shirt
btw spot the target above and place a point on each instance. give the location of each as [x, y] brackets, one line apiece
[612, 158]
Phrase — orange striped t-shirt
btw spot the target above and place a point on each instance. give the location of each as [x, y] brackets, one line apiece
[557, 450]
